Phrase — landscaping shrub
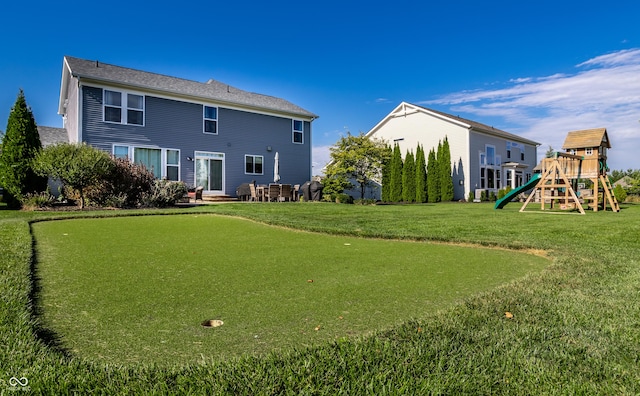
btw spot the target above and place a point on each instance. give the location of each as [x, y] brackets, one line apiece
[343, 198]
[483, 195]
[365, 201]
[33, 201]
[504, 191]
[124, 186]
[164, 193]
[471, 196]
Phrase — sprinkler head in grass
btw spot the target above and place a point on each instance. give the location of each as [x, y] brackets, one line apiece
[212, 323]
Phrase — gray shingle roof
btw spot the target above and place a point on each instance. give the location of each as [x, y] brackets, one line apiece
[485, 128]
[50, 135]
[210, 91]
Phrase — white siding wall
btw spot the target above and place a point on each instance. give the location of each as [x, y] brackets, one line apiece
[71, 124]
[416, 126]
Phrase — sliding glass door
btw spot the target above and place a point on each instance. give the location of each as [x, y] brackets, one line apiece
[210, 171]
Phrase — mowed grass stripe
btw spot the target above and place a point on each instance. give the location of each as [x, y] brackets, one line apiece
[135, 289]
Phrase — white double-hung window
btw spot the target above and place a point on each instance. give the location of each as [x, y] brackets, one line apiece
[298, 132]
[123, 107]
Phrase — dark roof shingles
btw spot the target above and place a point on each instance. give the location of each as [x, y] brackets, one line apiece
[212, 90]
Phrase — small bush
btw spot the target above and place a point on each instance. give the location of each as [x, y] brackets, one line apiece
[343, 198]
[366, 201]
[483, 195]
[504, 191]
[471, 196]
[164, 193]
[35, 201]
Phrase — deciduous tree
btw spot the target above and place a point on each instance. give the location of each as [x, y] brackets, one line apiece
[76, 165]
[358, 158]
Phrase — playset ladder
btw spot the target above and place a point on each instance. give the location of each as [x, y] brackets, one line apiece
[608, 194]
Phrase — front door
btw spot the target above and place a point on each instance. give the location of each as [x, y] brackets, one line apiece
[210, 171]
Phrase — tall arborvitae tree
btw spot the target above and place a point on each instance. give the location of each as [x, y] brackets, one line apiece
[409, 178]
[421, 176]
[446, 179]
[395, 192]
[20, 144]
[385, 192]
[433, 187]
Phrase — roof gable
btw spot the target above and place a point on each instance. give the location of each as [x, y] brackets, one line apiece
[407, 108]
[586, 138]
[210, 91]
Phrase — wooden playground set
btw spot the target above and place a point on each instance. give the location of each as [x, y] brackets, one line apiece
[557, 181]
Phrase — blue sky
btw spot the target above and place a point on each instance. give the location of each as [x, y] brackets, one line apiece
[538, 69]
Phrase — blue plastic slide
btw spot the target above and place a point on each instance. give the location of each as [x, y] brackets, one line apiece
[513, 193]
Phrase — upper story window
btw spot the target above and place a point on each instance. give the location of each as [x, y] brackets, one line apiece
[491, 155]
[298, 131]
[253, 164]
[589, 151]
[123, 107]
[210, 119]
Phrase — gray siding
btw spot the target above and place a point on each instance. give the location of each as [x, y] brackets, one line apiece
[175, 124]
[477, 142]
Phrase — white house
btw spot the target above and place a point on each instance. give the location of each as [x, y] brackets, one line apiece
[483, 157]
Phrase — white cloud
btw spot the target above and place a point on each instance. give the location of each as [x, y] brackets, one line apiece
[320, 155]
[604, 92]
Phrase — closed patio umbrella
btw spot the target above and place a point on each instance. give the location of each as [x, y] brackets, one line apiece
[276, 168]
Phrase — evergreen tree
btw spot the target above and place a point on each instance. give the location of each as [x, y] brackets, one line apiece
[385, 192]
[20, 144]
[421, 176]
[395, 192]
[446, 179]
[409, 178]
[433, 187]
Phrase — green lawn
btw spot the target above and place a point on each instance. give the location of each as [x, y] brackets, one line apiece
[136, 289]
[574, 330]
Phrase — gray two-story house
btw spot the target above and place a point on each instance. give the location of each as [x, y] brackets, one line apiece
[205, 134]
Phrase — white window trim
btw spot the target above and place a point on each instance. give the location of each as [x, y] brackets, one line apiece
[588, 151]
[124, 96]
[254, 164]
[163, 156]
[205, 119]
[294, 131]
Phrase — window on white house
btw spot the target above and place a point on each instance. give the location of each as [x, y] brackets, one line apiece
[253, 164]
[210, 119]
[298, 131]
[116, 111]
[522, 156]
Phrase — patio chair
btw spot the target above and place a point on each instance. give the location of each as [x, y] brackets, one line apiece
[296, 192]
[285, 192]
[197, 194]
[273, 193]
[254, 193]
